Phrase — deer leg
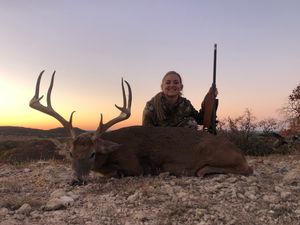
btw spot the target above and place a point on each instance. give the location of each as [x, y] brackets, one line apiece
[134, 168]
[177, 170]
[210, 170]
[245, 170]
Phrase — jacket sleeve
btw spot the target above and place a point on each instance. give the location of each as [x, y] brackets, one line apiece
[198, 116]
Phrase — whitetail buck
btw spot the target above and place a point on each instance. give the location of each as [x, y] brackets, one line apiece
[138, 150]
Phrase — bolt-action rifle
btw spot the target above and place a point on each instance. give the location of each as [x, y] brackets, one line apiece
[210, 103]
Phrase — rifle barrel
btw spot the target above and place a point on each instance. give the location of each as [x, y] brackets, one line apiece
[215, 66]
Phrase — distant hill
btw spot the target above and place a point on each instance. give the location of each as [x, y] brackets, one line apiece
[23, 131]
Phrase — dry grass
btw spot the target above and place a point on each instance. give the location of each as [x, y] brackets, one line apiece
[12, 195]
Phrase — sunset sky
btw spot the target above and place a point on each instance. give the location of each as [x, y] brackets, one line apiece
[92, 44]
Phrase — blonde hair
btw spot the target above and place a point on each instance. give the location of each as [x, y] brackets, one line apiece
[158, 106]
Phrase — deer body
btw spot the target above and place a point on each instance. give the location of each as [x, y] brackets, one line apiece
[137, 150]
[151, 150]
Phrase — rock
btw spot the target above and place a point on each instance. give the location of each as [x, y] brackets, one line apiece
[240, 195]
[140, 216]
[25, 209]
[271, 199]
[232, 179]
[133, 197]
[293, 175]
[278, 189]
[181, 194]
[284, 168]
[285, 195]
[35, 214]
[54, 204]
[58, 193]
[250, 195]
[27, 170]
[72, 195]
[66, 200]
[164, 175]
[4, 211]
[19, 216]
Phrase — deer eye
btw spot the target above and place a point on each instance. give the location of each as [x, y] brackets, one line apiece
[71, 154]
[92, 155]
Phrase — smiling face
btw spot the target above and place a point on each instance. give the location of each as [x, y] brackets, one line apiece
[172, 85]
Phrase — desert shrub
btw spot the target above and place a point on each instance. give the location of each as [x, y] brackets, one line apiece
[31, 150]
[264, 137]
[253, 137]
[5, 145]
[291, 112]
[251, 145]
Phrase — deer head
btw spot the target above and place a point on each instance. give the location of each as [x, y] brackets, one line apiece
[84, 146]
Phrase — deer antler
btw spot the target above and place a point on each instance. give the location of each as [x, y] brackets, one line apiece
[125, 111]
[35, 103]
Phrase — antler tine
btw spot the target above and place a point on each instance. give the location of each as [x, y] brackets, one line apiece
[125, 111]
[129, 94]
[50, 90]
[124, 96]
[37, 87]
[36, 97]
[35, 103]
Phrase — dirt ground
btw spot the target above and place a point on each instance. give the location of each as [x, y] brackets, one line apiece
[38, 192]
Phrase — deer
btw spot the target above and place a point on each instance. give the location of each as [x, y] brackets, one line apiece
[140, 150]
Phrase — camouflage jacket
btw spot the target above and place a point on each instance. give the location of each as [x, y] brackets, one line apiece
[182, 114]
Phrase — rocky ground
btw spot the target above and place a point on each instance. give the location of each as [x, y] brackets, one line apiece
[38, 193]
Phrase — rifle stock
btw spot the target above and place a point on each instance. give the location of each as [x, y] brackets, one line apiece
[210, 103]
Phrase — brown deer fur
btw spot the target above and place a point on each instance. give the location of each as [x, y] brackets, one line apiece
[137, 150]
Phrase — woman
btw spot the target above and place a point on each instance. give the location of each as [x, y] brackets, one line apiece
[169, 108]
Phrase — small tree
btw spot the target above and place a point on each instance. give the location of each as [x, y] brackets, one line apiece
[241, 128]
[294, 102]
[244, 124]
[243, 131]
[268, 126]
[292, 110]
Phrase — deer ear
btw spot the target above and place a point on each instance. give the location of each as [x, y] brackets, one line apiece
[108, 147]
